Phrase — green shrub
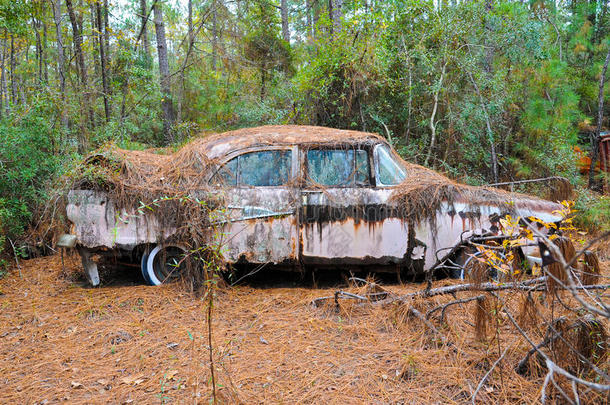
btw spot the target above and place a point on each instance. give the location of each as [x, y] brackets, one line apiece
[593, 211]
[30, 156]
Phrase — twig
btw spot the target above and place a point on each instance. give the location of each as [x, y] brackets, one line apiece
[474, 396]
[444, 307]
[15, 254]
[508, 183]
[428, 324]
[551, 366]
[561, 391]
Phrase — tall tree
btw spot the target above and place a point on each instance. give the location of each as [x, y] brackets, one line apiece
[489, 60]
[13, 73]
[166, 101]
[308, 18]
[336, 14]
[61, 70]
[3, 78]
[143, 28]
[215, 5]
[82, 67]
[284, 14]
[103, 61]
[594, 184]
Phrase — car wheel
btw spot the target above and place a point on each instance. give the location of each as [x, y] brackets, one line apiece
[164, 264]
[143, 267]
[467, 266]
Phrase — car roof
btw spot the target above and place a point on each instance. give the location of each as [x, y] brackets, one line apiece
[218, 145]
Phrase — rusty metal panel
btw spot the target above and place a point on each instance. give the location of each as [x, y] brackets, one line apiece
[97, 223]
[261, 225]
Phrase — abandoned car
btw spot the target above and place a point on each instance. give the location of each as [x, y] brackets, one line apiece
[296, 196]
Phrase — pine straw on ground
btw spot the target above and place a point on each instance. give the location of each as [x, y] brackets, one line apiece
[61, 341]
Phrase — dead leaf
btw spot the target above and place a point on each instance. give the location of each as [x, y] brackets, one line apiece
[170, 374]
[133, 380]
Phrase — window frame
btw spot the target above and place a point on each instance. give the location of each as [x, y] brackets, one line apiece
[237, 154]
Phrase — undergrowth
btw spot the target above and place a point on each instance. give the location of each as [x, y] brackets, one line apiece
[593, 211]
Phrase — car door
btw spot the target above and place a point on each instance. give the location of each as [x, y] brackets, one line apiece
[344, 217]
[260, 223]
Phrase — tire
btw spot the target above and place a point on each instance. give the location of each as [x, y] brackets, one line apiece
[467, 259]
[143, 269]
[163, 264]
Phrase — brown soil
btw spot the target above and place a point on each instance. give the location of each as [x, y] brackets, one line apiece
[64, 342]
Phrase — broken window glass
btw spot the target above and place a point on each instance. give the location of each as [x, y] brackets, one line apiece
[389, 170]
[338, 167]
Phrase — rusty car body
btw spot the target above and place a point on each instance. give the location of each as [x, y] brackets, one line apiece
[297, 196]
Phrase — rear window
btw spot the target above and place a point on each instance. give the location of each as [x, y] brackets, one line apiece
[338, 167]
[258, 169]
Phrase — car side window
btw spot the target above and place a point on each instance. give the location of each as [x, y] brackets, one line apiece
[226, 175]
[265, 168]
[338, 167]
[258, 169]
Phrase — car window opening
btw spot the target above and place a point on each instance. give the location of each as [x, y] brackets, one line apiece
[269, 168]
[338, 167]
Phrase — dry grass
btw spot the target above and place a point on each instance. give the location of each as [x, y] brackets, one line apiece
[62, 341]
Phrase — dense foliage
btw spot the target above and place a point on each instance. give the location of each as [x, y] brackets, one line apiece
[482, 90]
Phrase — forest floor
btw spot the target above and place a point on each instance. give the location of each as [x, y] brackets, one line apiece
[124, 342]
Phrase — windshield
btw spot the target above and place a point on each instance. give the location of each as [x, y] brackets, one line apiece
[388, 170]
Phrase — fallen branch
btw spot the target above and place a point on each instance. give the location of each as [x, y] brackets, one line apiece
[452, 289]
[535, 284]
[426, 322]
[445, 306]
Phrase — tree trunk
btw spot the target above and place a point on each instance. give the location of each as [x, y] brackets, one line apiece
[3, 73]
[13, 78]
[144, 13]
[4, 81]
[489, 58]
[594, 184]
[336, 14]
[60, 61]
[284, 14]
[166, 103]
[45, 66]
[98, 10]
[315, 15]
[36, 27]
[263, 81]
[489, 131]
[191, 33]
[80, 59]
[106, 33]
[308, 13]
[94, 38]
[214, 33]
[432, 124]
